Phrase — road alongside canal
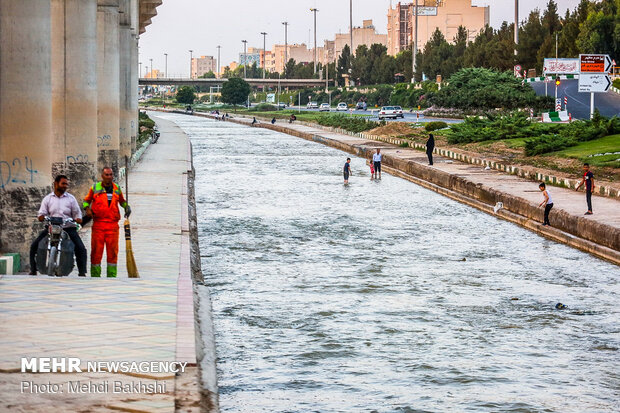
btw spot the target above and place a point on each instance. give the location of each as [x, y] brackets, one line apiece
[385, 296]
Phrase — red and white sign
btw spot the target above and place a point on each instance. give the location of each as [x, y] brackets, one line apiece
[561, 66]
[517, 70]
[594, 63]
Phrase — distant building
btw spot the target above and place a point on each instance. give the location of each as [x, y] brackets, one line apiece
[154, 74]
[252, 56]
[367, 35]
[298, 52]
[446, 15]
[202, 65]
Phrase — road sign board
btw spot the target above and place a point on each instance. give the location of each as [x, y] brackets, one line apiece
[594, 63]
[561, 66]
[594, 82]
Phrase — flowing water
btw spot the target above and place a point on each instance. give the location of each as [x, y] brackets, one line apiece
[384, 296]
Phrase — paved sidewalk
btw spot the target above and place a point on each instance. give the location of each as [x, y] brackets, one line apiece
[146, 319]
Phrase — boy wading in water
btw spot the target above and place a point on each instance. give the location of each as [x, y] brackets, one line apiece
[347, 170]
[547, 202]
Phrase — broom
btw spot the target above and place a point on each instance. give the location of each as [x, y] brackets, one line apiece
[132, 269]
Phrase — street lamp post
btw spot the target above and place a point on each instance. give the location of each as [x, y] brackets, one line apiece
[245, 58]
[516, 25]
[166, 66]
[285, 43]
[264, 52]
[414, 49]
[140, 73]
[314, 10]
[151, 68]
[191, 59]
[219, 74]
[351, 23]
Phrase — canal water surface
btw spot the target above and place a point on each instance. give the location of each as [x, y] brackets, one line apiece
[384, 296]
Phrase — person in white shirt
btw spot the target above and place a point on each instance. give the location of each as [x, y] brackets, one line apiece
[376, 160]
[62, 205]
[547, 202]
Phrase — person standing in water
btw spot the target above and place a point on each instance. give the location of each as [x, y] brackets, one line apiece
[376, 160]
[347, 170]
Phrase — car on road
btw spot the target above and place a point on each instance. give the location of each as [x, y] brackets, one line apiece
[342, 107]
[324, 107]
[360, 106]
[281, 105]
[312, 105]
[399, 112]
[388, 112]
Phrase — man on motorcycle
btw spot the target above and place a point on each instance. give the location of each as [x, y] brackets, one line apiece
[102, 204]
[61, 204]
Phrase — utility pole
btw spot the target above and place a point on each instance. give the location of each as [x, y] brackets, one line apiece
[516, 25]
[351, 24]
[314, 10]
[245, 58]
[285, 44]
[264, 52]
[191, 59]
[219, 73]
[414, 49]
[166, 66]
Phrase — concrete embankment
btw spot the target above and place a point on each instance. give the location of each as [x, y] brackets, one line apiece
[598, 234]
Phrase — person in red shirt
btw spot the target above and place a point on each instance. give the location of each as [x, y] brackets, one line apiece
[588, 180]
[101, 204]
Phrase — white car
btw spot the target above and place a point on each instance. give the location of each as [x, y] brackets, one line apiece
[399, 112]
[342, 107]
[324, 107]
[388, 112]
[312, 105]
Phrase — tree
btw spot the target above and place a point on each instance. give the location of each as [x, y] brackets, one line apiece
[186, 94]
[531, 37]
[600, 32]
[344, 64]
[235, 91]
[208, 75]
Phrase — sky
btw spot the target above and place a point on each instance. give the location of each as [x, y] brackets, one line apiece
[202, 25]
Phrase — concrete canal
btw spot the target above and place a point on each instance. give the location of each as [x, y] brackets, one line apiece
[384, 296]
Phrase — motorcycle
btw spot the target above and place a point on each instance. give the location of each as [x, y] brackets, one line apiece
[55, 253]
[155, 135]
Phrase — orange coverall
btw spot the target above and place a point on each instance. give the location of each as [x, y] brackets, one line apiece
[105, 226]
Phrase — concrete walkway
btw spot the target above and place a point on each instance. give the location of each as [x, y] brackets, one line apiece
[146, 319]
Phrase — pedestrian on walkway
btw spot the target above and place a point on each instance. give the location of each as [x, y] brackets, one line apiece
[547, 202]
[101, 204]
[273, 121]
[430, 146]
[588, 179]
[254, 121]
[347, 171]
[372, 170]
[376, 160]
[61, 204]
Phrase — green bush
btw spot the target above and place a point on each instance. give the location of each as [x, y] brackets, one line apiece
[431, 126]
[478, 88]
[264, 107]
[353, 124]
[547, 143]
[616, 83]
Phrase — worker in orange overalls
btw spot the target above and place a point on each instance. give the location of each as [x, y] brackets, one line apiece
[101, 204]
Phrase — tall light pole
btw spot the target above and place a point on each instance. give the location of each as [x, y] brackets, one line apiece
[140, 73]
[285, 43]
[414, 49]
[264, 52]
[516, 25]
[314, 10]
[351, 23]
[191, 59]
[219, 73]
[166, 66]
[245, 58]
[151, 68]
